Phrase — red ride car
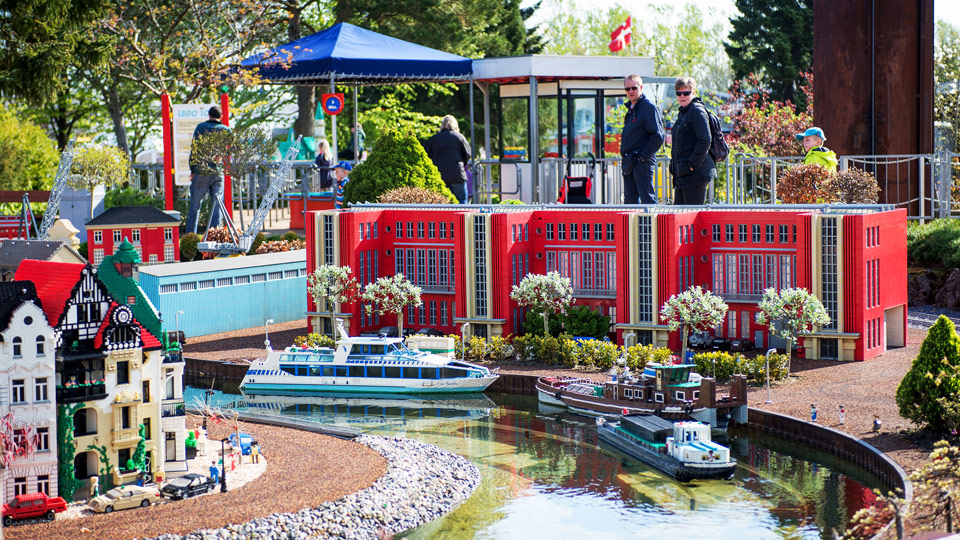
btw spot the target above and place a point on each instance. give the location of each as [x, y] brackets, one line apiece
[33, 505]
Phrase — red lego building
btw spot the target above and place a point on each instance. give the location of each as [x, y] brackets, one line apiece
[626, 263]
[155, 235]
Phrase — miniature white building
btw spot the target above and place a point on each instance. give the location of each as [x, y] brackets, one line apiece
[28, 347]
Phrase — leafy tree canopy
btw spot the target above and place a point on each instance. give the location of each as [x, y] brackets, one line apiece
[28, 158]
[773, 39]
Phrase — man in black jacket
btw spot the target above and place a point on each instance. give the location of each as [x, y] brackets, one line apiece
[450, 152]
[202, 181]
[642, 136]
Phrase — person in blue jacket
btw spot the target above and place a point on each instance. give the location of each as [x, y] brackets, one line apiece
[642, 136]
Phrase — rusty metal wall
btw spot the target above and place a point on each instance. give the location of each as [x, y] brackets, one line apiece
[873, 82]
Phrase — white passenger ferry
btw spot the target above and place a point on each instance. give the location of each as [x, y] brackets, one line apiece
[363, 365]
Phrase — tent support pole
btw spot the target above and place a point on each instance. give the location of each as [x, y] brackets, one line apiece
[534, 142]
[333, 131]
[485, 88]
[473, 133]
[356, 134]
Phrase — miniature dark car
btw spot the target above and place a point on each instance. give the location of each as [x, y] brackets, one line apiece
[391, 331]
[741, 345]
[188, 485]
[699, 340]
[432, 332]
[720, 344]
[33, 505]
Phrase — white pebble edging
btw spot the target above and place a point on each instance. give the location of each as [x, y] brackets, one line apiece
[422, 483]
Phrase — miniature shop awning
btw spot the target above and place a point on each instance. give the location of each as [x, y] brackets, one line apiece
[350, 55]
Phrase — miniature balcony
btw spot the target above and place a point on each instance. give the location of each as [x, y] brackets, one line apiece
[595, 293]
[742, 298]
[122, 436]
[173, 409]
[72, 393]
[173, 356]
[437, 288]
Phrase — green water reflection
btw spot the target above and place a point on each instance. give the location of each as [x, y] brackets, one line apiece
[544, 477]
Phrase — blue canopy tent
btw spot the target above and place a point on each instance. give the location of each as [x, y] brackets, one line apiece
[349, 55]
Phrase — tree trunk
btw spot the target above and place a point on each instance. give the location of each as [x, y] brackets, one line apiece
[400, 324]
[546, 325]
[307, 107]
[683, 344]
[112, 96]
[789, 355]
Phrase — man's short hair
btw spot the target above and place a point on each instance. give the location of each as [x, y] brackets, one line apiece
[215, 112]
[685, 82]
[635, 77]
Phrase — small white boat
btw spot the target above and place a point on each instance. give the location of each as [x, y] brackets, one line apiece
[363, 365]
[689, 454]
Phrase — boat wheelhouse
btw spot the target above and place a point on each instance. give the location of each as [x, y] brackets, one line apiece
[363, 365]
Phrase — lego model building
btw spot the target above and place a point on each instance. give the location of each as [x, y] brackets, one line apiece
[154, 234]
[113, 387]
[626, 262]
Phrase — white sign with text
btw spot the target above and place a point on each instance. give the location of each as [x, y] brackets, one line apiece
[185, 120]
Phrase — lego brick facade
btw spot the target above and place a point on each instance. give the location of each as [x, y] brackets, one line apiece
[626, 263]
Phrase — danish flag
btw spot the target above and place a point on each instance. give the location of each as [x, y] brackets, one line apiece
[620, 37]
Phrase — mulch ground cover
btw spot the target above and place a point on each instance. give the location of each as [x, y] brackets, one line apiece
[304, 470]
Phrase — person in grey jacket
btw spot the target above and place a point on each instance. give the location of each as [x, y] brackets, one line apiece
[449, 151]
[690, 163]
[202, 183]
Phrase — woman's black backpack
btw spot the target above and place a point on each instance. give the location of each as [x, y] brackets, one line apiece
[718, 145]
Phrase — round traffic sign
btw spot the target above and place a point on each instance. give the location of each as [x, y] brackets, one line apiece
[332, 103]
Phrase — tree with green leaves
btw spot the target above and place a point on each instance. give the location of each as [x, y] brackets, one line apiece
[933, 378]
[774, 40]
[390, 296]
[548, 292]
[790, 313]
[329, 286]
[41, 39]
[398, 159]
[232, 151]
[99, 165]
[28, 157]
[693, 309]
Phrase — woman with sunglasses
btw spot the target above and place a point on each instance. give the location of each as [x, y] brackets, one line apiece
[690, 163]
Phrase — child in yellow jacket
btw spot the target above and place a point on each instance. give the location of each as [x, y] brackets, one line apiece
[817, 154]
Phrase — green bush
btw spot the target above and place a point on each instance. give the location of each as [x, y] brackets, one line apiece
[130, 196]
[397, 159]
[756, 368]
[598, 354]
[638, 356]
[28, 157]
[499, 348]
[933, 378]
[720, 365]
[260, 238]
[580, 321]
[315, 340]
[934, 243]
[476, 349]
[188, 246]
[82, 250]
[291, 236]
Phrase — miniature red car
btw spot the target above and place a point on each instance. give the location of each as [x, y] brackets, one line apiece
[33, 505]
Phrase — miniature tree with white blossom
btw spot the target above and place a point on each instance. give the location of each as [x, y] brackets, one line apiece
[550, 292]
[15, 443]
[791, 313]
[330, 286]
[693, 309]
[390, 295]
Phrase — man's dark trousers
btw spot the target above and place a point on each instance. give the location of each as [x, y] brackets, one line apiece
[638, 186]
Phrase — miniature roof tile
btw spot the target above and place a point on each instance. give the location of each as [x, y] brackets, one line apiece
[12, 295]
[12, 252]
[126, 254]
[54, 282]
[132, 215]
[122, 288]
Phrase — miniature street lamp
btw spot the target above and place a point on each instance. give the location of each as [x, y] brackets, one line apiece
[769, 352]
[223, 459]
[463, 339]
[266, 331]
[177, 316]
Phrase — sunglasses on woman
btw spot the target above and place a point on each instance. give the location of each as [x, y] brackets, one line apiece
[684, 92]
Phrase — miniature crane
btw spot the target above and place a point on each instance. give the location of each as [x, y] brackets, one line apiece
[53, 203]
[240, 243]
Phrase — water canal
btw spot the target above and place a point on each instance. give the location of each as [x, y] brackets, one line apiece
[544, 477]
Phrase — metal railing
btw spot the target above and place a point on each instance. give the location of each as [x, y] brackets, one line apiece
[503, 179]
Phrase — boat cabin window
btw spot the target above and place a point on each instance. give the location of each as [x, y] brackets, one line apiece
[315, 371]
[391, 372]
[341, 371]
[411, 373]
[679, 396]
[289, 369]
[374, 371]
[628, 393]
[658, 397]
[328, 371]
[696, 395]
[428, 373]
[450, 373]
[356, 371]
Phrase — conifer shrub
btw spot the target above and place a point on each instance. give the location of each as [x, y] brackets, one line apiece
[397, 160]
[933, 378]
